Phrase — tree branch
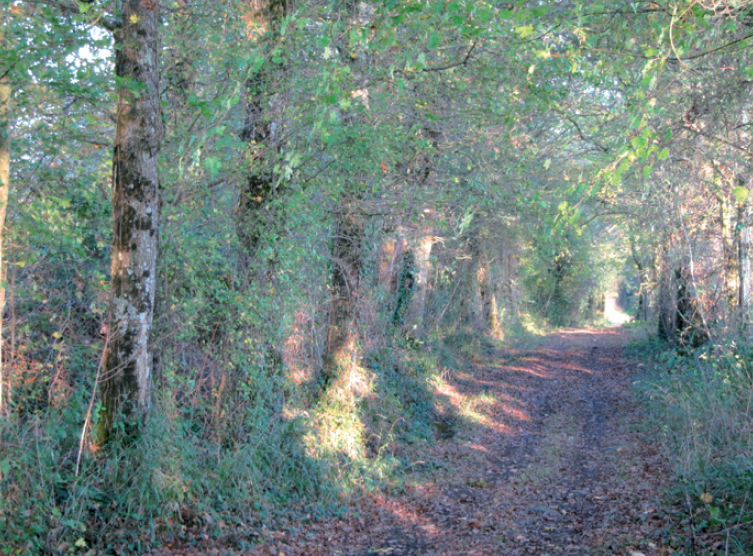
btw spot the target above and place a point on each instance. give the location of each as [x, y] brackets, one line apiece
[456, 64]
[112, 24]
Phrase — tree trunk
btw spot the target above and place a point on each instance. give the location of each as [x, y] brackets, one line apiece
[391, 251]
[667, 321]
[484, 290]
[744, 282]
[5, 114]
[406, 289]
[508, 291]
[416, 315]
[256, 213]
[127, 379]
[730, 255]
[342, 335]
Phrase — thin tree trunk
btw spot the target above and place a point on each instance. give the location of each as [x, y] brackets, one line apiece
[706, 332]
[417, 312]
[484, 289]
[5, 115]
[127, 381]
[744, 282]
[256, 212]
[347, 259]
[643, 278]
[667, 323]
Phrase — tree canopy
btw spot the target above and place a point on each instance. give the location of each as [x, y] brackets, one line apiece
[219, 217]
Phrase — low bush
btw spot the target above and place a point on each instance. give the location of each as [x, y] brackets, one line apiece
[703, 405]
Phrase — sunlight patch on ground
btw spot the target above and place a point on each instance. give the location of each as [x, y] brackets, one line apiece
[476, 409]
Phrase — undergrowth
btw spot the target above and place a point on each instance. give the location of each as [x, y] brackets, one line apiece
[702, 404]
[184, 481]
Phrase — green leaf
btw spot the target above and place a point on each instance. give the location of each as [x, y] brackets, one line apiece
[524, 31]
[741, 194]
[639, 142]
[4, 468]
[213, 164]
[484, 16]
[663, 154]
[433, 40]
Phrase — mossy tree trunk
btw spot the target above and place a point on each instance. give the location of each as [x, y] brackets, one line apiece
[256, 209]
[406, 289]
[127, 376]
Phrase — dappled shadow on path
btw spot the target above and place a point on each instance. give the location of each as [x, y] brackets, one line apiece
[545, 461]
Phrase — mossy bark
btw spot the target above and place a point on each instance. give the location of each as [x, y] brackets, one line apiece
[257, 213]
[406, 288]
[127, 375]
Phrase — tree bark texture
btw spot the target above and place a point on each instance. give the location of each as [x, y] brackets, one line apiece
[5, 146]
[127, 378]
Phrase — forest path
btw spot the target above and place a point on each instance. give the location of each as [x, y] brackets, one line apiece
[546, 459]
[547, 462]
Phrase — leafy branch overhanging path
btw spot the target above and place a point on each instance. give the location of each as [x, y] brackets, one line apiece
[548, 460]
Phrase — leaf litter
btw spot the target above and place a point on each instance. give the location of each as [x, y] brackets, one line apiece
[550, 461]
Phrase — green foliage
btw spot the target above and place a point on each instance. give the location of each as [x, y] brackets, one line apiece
[503, 133]
[701, 405]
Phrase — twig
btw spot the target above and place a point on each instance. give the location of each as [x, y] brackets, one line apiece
[87, 420]
[692, 277]
[439, 320]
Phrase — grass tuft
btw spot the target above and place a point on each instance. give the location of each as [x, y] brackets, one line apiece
[702, 404]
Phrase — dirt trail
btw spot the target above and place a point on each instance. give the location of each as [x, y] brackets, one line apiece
[547, 461]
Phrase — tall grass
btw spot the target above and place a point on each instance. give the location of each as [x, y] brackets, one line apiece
[702, 404]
